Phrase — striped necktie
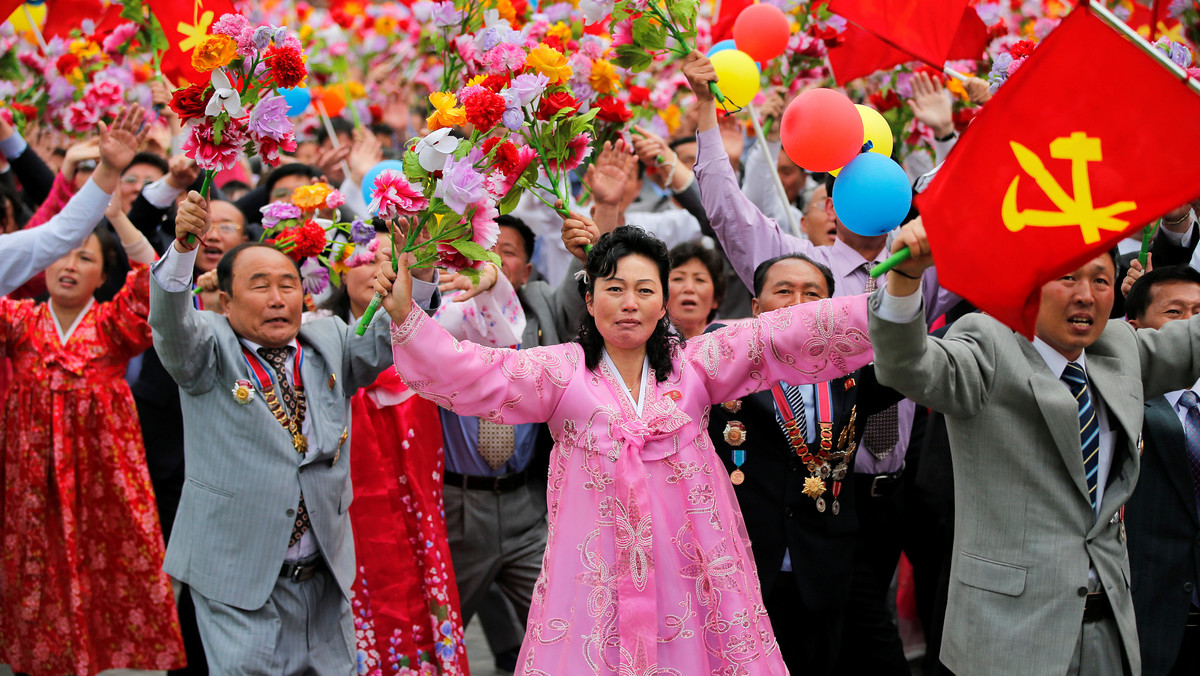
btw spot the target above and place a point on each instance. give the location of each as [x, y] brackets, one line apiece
[795, 399]
[1191, 430]
[1089, 425]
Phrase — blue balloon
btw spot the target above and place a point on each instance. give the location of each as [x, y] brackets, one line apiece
[720, 47]
[297, 99]
[871, 195]
[368, 185]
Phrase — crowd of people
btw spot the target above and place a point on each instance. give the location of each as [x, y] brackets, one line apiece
[665, 434]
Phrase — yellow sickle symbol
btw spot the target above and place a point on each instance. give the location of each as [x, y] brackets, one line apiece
[196, 30]
[1073, 211]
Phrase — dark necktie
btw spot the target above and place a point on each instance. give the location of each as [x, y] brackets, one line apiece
[883, 429]
[795, 399]
[277, 357]
[1191, 429]
[1089, 425]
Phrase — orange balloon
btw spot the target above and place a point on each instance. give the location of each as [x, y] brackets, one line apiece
[333, 99]
[762, 31]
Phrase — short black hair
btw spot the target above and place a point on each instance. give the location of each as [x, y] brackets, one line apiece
[340, 126]
[527, 236]
[285, 170]
[225, 265]
[1137, 303]
[682, 140]
[685, 251]
[760, 273]
[151, 159]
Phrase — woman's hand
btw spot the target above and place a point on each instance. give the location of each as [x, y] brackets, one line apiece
[488, 276]
[578, 233]
[396, 288]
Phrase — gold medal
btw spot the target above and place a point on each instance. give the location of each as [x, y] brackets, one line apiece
[735, 433]
[736, 477]
[300, 442]
[814, 487]
[733, 406]
[243, 393]
[332, 380]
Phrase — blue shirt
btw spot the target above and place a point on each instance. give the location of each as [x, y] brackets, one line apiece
[461, 437]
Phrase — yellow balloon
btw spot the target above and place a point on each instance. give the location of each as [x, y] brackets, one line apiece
[20, 21]
[739, 77]
[875, 130]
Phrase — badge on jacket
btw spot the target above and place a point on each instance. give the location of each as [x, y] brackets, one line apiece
[243, 392]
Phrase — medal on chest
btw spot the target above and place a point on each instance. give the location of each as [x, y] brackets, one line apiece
[822, 463]
[266, 384]
[735, 435]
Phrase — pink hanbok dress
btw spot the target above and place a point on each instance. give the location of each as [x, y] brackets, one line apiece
[648, 570]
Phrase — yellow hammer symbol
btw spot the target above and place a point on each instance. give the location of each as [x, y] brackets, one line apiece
[1073, 211]
[196, 30]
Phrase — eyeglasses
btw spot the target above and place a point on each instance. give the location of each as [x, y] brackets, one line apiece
[228, 228]
[132, 180]
[280, 193]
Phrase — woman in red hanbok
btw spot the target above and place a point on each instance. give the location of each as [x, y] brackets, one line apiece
[406, 610]
[81, 583]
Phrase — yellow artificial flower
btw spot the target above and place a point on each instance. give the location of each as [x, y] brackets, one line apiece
[604, 78]
[507, 11]
[352, 8]
[549, 62]
[306, 32]
[338, 265]
[85, 49]
[385, 25]
[477, 80]
[561, 31]
[957, 89]
[309, 197]
[672, 117]
[446, 111]
[214, 51]
[355, 90]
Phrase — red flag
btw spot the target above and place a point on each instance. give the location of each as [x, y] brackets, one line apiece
[63, 16]
[1059, 166]
[722, 25]
[923, 28]
[7, 7]
[862, 53]
[184, 24]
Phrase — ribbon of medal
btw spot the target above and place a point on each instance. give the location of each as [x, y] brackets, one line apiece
[265, 380]
[817, 462]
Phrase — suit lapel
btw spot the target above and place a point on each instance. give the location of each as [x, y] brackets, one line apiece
[1060, 411]
[1122, 399]
[1166, 438]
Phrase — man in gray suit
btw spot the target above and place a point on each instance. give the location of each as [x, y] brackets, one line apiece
[262, 537]
[1045, 438]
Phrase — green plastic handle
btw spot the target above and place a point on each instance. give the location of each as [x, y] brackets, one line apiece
[892, 261]
[365, 321]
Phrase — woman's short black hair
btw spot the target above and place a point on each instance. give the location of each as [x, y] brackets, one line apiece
[709, 258]
[602, 260]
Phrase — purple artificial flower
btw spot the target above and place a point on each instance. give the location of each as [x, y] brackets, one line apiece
[445, 14]
[422, 10]
[280, 36]
[1180, 55]
[460, 186]
[559, 12]
[269, 117]
[275, 212]
[487, 39]
[61, 91]
[361, 233]
[528, 87]
[314, 278]
[262, 37]
[8, 90]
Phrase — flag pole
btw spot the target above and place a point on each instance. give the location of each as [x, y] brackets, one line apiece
[1112, 20]
[37, 32]
[955, 74]
[774, 166]
[333, 139]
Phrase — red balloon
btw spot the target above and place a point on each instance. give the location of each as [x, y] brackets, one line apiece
[762, 31]
[821, 130]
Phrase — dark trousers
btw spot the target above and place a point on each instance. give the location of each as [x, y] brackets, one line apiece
[1188, 662]
[872, 641]
[808, 641]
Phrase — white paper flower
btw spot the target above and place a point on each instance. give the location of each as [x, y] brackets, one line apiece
[433, 150]
[224, 98]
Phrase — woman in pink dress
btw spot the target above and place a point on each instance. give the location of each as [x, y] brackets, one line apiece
[648, 569]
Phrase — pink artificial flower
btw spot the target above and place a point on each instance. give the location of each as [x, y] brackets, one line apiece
[577, 151]
[484, 229]
[622, 33]
[497, 184]
[394, 197]
[452, 260]
[335, 199]
[6, 115]
[200, 146]
[268, 148]
[32, 61]
[363, 255]
[503, 58]
[525, 155]
[118, 38]
[80, 117]
[104, 94]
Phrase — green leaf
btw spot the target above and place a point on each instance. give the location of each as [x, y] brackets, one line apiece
[334, 278]
[647, 35]
[632, 57]
[509, 202]
[158, 38]
[132, 11]
[684, 10]
[473, 251]
[412, 167]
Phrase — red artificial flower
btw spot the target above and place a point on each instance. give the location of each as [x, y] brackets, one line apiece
[612, 110]
[638, 96]
[287, 66]
[484, 107]
[341, 18]
[552, 103]
[305, 241]
[496, 82]
[519, 8]
[189, 103]
[66, 63]
[1021, 49]
[553, 42]
[997, 30]
[885, 102]
[376, 111]
[962, 118]
[30, 112]
[505, 160]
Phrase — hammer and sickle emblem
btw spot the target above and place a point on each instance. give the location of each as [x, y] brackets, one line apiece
[1073, 211]
[196, 30]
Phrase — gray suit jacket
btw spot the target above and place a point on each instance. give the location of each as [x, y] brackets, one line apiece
[551, 313]
[243, 474]
[1024, 532]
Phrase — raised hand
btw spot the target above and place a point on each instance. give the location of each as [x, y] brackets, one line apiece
[978, 90]
[699, 72]
[329, 162]
[905, 278]
[488, 276]
[121, 141]
[931, 104]
[192, 222]
[395, 286]
[86, 150]
[183, 172]
[772, 109]
[1135, 273]
[364, 154]
[609, 175]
